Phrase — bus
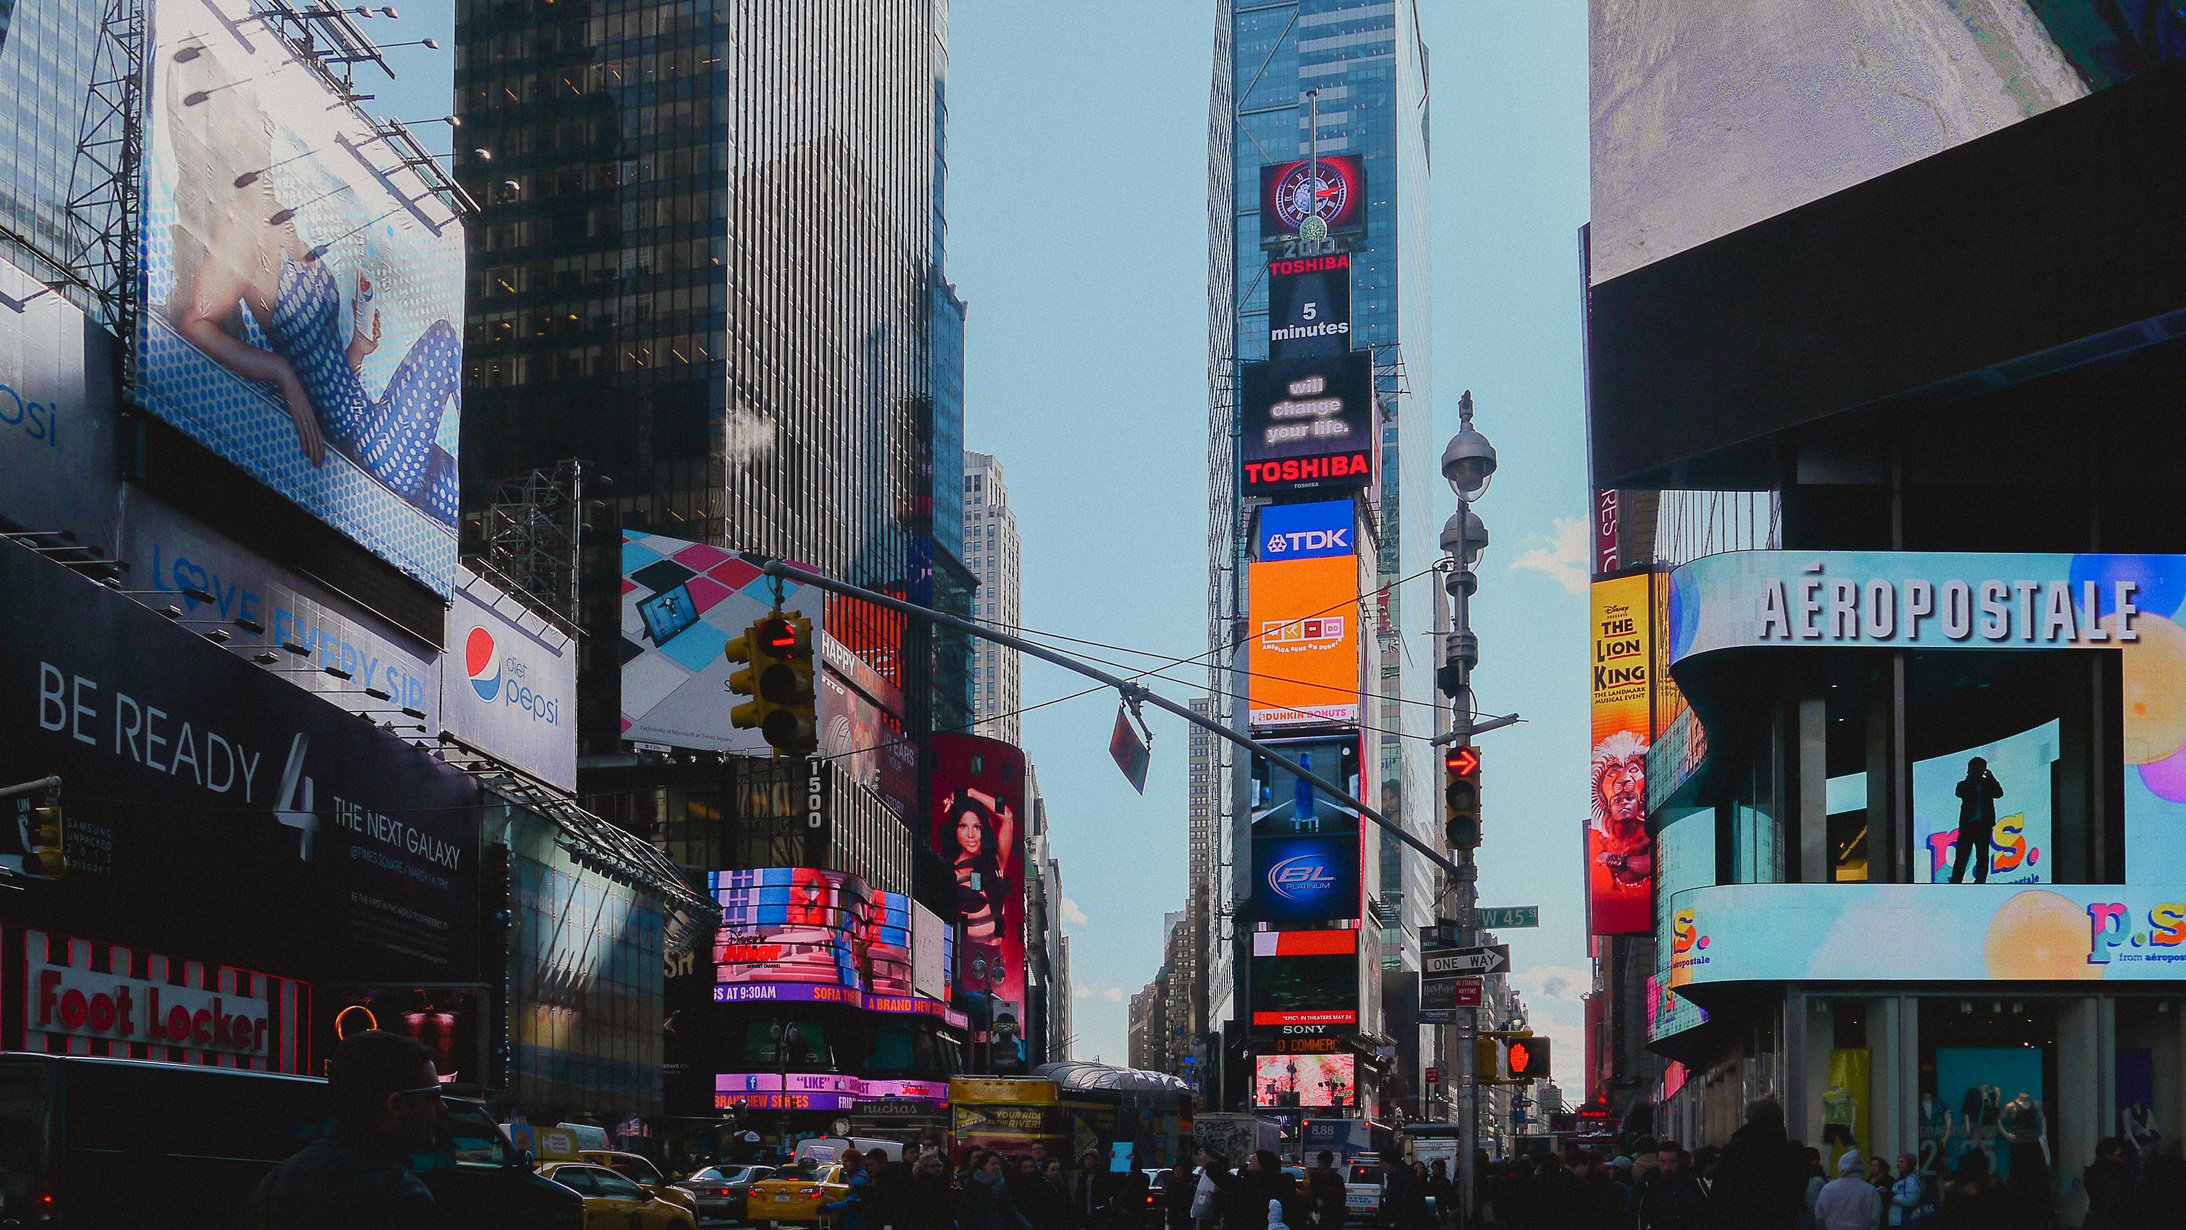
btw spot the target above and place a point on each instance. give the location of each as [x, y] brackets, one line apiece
[1137, 1120]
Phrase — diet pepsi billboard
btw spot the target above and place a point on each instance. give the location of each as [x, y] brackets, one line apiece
[1306, 531]
[1305, 881]
[509, 685]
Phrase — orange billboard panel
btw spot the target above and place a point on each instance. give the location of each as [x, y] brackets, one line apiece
[1304, 652]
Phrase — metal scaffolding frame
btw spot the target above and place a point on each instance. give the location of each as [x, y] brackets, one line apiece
[533, 530]
[105, 184]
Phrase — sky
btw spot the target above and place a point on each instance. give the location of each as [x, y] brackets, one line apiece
[1077, 233]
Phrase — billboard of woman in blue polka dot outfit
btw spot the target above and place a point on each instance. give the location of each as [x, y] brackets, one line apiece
[300, 288]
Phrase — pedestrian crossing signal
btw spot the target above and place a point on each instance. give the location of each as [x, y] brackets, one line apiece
[1527, 1058]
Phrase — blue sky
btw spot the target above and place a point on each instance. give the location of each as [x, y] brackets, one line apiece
[1077, 234]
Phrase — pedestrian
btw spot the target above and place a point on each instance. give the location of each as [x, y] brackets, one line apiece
[986, 1203]
[927, 1201]
[1977, 796]
[1620, 1200]
[1672, 1197]
[2108, 1190]
[1444, 1192]
[1246, 1194]
[384, 1092]
[1326, 1194]
[1045, 1201]
[1848, 1202]
[1092, 1192]
[1816, 1179]
[1878, 1177]
[855, 1207]
[2162, 1190]
[1403, 1204]
[1209, 1200]
[1758, 1182]
[1177, 1192]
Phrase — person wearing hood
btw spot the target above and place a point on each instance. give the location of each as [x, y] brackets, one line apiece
[1759, 1181]
[1849, 1202]
[986, 1203]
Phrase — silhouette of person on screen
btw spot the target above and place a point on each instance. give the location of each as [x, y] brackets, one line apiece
[1977, 796]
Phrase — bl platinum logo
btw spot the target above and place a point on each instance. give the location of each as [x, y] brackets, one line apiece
[1307, 531]
[1301, 879]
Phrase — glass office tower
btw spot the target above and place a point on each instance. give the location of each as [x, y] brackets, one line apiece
[708, 265]
[1361, 66]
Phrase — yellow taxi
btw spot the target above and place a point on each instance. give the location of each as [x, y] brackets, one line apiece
[612, 1202]
[639, 1169]
[795, 1195]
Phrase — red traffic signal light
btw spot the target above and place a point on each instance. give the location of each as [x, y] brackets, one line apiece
[1461, 797]
[1527, 1058]
[1463, 761]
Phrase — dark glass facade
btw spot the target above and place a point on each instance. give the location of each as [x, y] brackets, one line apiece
[706, 265]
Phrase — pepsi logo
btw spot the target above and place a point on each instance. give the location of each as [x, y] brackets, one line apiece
[482, 664]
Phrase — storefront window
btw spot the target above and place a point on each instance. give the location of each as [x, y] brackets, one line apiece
[1988, 1092]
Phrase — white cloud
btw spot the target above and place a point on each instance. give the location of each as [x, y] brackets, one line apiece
[1072, 914]
[1113, 995]
[1553, 990]
[1082, 990]
[1564, 558]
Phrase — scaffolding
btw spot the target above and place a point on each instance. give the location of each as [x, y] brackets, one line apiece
[533, 530]
[105, 187]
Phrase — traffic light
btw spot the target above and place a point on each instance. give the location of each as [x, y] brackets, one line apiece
[1487, 1058]
[44, 858]
[1527, 1057]
[1461, 797]
[778, 678]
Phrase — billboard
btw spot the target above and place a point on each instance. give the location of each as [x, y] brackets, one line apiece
[1304, 1080]
[2130, 605]
[1308, 424]
[57, 424]
[303, 291]
[191, 771]
[2019, 849]
[979, 827]
[1304, 978]
[1619, 865]
[810, 925]
[1919, 933]
[815, 1090]
[1304, 653]
[1330, 189]
[1309, 307]
[451, 1023]
[511, 689]
[311, 624]
[1306, 848]
[85, 997]
[1306, 531]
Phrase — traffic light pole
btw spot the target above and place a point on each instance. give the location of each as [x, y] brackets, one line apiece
[1131, 691]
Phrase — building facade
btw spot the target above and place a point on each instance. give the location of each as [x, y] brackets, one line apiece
[1297, 82]
[993, 554]
[1910, 716]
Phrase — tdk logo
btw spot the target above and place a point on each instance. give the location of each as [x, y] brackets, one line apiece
[1306, 531]
[1300, 878]
[1309, 543]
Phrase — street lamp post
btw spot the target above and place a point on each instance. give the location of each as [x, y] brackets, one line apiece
[784, 1034]
[1468, 463]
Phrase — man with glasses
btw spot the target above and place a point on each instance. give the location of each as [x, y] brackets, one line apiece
[385, 1096]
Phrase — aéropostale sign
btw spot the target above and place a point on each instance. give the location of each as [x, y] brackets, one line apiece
[214, 810]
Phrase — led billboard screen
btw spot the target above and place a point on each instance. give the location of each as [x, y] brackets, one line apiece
[1284, 803]
[1619, 864]
[790, 924]
[979, 827]
[1304, 1080]
[2019, 847]
[1330, 189]
[1306, 847]
[1304, 653]
[1304, 978]
[1306, 531]
[1308, 424]
[1309, 307]
[302, 288]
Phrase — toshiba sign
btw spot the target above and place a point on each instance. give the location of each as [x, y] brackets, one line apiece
[1307, 424]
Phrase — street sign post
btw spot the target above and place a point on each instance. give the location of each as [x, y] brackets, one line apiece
[1452, 962]
[1468, 991]
[1508, 917]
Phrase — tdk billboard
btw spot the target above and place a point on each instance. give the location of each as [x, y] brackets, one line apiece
[1306, 531]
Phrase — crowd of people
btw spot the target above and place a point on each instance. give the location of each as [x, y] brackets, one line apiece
[1764, 1180]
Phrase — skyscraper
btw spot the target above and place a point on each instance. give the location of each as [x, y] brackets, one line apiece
[991, 552]
[714, 233]
[1301, 80]
[1204, 898]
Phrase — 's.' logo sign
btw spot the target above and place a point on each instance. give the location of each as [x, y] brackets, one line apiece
[1684, 936]
[1305, 876]
[482, 664]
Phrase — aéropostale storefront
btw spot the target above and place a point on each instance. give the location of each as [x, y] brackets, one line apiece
[232, 841]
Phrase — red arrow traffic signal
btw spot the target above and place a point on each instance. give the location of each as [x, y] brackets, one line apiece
[1464, 761]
